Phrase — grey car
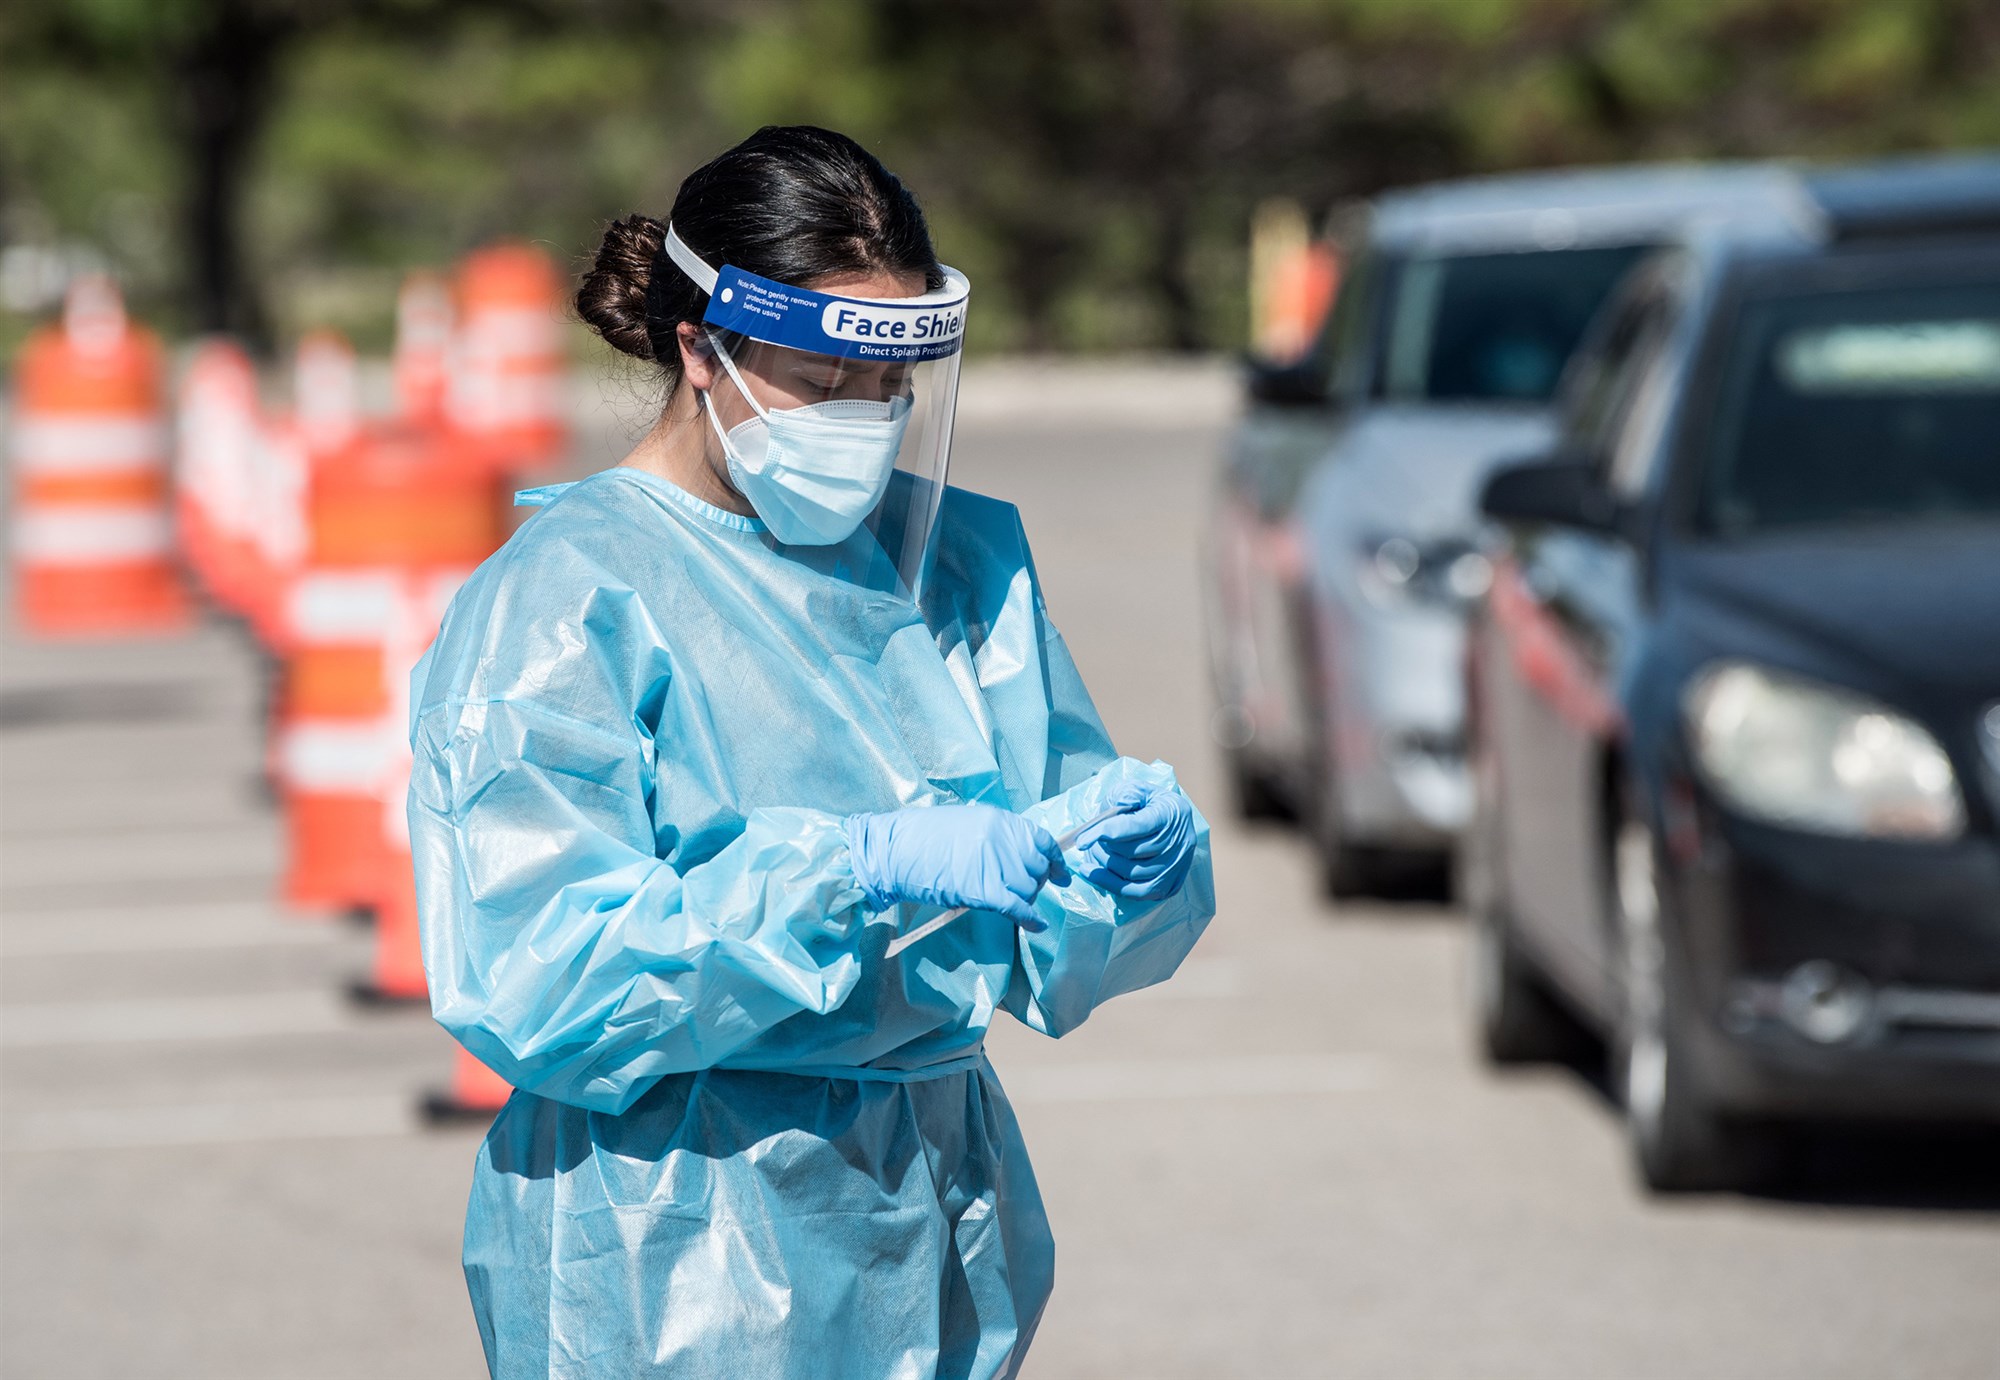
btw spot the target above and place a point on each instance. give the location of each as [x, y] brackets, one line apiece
[1344, 547]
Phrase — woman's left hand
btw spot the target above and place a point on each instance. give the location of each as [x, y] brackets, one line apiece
[1144, 852]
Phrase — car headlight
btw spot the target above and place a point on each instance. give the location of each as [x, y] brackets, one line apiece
[1818, 758]
[1447, 573]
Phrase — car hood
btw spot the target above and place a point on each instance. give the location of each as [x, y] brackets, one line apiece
[1415, 471]
[1916, 606]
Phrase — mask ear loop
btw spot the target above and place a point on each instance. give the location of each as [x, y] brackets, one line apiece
[715, 425]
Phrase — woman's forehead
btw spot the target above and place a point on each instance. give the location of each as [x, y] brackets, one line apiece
[877, 284]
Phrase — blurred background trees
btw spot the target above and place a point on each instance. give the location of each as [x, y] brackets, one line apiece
[1093, 164]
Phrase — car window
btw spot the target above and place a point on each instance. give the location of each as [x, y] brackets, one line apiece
[1858, 406]
[1606, 381]
[1494, 327]
[1347, 346]
[1655, 381]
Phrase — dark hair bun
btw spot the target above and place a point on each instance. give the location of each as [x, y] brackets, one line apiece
[612, 298]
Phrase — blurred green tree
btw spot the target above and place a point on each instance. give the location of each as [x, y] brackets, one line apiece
[204, 72]
[1092, 163]
[197, 86]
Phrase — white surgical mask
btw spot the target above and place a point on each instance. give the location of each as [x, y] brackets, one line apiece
[812, 472]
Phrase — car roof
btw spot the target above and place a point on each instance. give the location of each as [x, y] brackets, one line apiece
[1909, 196]
[1909, 204]
[1583, 208]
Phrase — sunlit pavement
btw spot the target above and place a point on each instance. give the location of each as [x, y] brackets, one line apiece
[1283, 1163]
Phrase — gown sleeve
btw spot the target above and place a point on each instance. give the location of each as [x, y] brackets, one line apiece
[1096, 945]
[561, 951]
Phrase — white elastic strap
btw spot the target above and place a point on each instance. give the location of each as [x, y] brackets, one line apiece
[689, 262]
[729, 366]
[708, 403]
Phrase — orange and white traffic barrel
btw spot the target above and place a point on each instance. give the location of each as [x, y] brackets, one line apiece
[1301, 294]
[421, 363]
[216, 472]
[92, 517]
[326, 393]
[280, 481]
[393, 503]
[325, 622]
[397, 972]
[324, 422]
[509, 378]
[328, 758]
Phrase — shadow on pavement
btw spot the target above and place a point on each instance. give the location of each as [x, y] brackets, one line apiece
[138, 702]
[1932, 1169]
[1912, 1167]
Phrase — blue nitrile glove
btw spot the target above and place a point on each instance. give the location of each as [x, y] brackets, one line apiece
[955, 855]
[1143, 853]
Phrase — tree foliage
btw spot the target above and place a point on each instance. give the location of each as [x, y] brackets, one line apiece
[1092, 163]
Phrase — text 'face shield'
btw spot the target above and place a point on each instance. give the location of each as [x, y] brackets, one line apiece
[836, 416]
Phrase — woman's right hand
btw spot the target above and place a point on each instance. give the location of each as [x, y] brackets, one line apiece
[955, 855]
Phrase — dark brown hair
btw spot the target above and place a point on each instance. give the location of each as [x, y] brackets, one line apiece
[793, 203]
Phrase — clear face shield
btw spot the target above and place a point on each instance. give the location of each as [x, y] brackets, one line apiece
[835, 415]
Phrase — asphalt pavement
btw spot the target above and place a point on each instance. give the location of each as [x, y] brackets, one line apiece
[1284, 1163]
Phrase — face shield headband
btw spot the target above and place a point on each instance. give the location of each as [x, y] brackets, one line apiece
[898, 329]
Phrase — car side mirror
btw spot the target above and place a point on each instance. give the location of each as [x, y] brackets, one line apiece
[1563, 490]
[1299, 384]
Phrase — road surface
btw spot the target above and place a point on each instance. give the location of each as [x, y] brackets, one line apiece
[1282, 1164]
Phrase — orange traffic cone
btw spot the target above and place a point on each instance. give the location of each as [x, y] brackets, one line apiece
[93, 536]
[475, 1094]
[507, 383]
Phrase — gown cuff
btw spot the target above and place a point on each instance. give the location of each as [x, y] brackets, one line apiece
[863, 836]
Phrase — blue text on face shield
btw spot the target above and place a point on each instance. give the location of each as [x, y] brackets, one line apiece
[857, 328]
[846, 320]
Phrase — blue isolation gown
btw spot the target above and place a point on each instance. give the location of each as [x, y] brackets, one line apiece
[746, 1143]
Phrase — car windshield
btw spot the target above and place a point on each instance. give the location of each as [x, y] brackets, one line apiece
[1494, 327]
[1859, 407]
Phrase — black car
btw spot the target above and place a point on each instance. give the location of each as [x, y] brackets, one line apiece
[1734, 694]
